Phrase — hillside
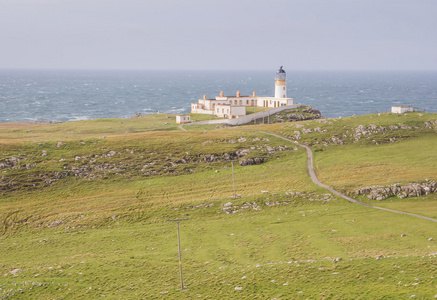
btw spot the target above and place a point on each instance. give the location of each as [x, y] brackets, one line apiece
[84, 208]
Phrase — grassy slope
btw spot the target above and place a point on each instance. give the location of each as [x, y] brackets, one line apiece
[409, 156]
[113, 239]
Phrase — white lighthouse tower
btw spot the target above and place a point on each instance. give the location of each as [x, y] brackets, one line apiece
[281, 84]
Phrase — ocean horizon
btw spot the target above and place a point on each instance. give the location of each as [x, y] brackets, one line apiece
[68, 95]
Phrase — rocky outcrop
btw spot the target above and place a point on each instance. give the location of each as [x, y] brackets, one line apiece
[128, 163]
[379, 193]
[13, 163]
[251, 161]
[431, 124]
[370, 133]
[297, 114]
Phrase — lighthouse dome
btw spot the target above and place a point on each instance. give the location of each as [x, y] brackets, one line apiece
[280, 74]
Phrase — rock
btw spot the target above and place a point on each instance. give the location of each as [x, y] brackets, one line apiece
[270, 149]
[238, 288]
[403, 234]
[209, 158]
[16, 271]
[411, 190]
[54, 224]
[242, 152]
[380, 257]
[337, 259]
[430, 239]
[246, 162]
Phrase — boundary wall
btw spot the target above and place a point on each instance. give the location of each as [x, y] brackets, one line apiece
[245, 119]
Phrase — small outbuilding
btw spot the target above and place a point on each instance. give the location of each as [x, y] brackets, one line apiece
[183, 119]
[229, 111]
[401, 109]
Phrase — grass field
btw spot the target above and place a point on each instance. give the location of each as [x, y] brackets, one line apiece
[101, 231]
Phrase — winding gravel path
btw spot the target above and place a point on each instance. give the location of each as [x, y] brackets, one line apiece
[317, 181]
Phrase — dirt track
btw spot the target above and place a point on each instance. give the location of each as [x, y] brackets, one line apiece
[314, 178]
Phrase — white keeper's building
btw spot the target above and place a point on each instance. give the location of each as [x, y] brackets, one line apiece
[232, 107]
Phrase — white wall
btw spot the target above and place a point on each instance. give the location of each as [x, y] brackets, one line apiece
[280, 91]
[246, 119]
[401, 109]
[238, 110]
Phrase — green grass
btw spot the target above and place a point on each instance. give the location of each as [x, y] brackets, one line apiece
[108, 236]
[270, 247]
[354, 166]
[76, 130]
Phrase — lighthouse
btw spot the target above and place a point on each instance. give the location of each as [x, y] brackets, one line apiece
[281, 84]
[234, 107]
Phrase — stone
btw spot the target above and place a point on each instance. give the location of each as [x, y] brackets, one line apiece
[251, 161]
[16, 271]
[411, 190]
[54, 224]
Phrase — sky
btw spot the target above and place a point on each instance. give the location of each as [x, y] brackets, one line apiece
[219, 34]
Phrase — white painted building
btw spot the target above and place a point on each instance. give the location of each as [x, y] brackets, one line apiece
[183, 119]
[401, 109]
[232, 107]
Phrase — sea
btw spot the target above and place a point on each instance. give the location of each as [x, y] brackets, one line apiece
[70, 95]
